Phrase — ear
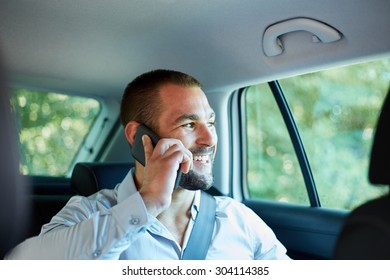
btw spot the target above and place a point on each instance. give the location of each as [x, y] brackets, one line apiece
[130, 130]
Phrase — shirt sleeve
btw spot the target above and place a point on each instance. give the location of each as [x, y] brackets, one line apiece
[88, 228]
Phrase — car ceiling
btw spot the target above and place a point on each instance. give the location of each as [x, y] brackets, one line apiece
[97, 46]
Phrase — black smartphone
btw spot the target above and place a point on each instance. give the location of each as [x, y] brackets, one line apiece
[137, 149]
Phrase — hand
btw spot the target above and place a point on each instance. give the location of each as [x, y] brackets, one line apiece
[161, 165]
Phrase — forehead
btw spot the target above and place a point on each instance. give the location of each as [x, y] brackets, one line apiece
[178, 100]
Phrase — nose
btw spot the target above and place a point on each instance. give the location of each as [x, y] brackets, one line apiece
[207, 135]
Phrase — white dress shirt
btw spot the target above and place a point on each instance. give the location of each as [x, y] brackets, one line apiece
[114, 224]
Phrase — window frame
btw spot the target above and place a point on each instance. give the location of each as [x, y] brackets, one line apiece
[239, 146]
[296, 140]
[95, 140]
[284, 109]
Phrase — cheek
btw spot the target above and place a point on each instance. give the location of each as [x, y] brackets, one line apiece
[192, 140]
[188, 141]
[215, 137]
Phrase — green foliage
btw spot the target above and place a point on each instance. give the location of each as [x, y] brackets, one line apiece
[336, 113]
[273, 171]
[52, 128]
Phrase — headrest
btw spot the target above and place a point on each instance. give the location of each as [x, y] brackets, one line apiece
[90, 177]
[379, 172]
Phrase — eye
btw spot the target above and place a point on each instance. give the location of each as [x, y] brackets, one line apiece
[189, 125]
[211, 123]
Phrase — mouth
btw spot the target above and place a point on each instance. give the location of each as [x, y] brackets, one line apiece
[202, 158]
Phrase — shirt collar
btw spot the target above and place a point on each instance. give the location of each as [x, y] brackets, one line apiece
[195, 206]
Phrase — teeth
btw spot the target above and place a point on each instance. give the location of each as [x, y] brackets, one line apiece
[204, 158]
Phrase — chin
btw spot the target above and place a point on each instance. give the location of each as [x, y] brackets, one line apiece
[194, 181]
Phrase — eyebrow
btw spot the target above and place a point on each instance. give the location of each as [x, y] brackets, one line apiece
[192, 117]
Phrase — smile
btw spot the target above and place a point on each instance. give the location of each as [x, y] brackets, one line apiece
[202, 158]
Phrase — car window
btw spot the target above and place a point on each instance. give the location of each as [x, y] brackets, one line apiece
[51, 128]
[335, 112]
[272, 168]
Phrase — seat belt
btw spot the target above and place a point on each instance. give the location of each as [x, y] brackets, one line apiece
[200, 237]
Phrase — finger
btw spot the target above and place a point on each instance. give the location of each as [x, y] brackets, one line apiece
[186, 167]
[182, 156]
[187, 162]
[148, 147]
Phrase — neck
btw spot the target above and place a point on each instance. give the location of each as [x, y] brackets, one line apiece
[181, 204]
[177, 216]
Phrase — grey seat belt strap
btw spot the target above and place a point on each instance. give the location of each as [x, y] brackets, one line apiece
[200, 237]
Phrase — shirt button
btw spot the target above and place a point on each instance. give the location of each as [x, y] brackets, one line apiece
[134, 221]
[96, 253]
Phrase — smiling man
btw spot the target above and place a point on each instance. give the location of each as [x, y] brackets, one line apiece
[145, 217]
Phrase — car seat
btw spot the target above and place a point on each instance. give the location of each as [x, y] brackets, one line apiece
[366, 232]
[90, 177]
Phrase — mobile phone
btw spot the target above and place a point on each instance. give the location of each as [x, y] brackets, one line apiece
[137, 149]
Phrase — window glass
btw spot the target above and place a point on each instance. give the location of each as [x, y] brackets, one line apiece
[273, 171]
[51, 128]
[336, 113]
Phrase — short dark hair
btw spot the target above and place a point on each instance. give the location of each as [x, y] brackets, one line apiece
[141, 98]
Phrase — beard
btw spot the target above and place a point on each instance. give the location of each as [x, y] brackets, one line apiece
[194, 180]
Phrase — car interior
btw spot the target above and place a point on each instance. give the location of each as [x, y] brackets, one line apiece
[13, 202]
[262, 64]
[366, 229]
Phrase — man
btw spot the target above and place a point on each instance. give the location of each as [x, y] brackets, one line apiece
[144, 217]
